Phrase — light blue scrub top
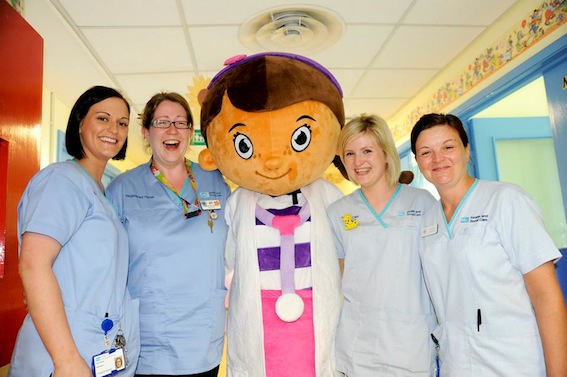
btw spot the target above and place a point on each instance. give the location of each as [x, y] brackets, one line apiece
[63, 202]
[176, 269]
[477, 261]
[387, 317]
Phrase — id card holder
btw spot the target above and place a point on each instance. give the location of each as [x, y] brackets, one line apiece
[108, 363]
[430, 230]
[210, 204]
[192, 211]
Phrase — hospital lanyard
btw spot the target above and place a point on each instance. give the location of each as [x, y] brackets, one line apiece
[186, 205]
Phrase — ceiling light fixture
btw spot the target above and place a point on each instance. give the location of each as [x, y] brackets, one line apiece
[298, 30]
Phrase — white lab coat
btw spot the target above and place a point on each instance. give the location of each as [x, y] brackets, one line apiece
[245, 349]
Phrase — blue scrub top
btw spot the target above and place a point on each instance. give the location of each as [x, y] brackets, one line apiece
[387, 317]
[63, 202]
[176, 269]
[474, 267]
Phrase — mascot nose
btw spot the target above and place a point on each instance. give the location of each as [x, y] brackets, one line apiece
[273, 162]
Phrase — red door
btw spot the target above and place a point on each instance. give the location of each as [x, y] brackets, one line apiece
[21, 76]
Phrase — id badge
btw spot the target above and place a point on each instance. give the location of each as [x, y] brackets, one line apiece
[430, 230]
[108, 363]
[210, 204]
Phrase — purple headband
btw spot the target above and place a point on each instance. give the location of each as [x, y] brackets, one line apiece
[237, 60]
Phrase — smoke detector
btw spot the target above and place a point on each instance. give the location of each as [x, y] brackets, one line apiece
[297, 30]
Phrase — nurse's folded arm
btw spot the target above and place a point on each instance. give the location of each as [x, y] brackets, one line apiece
[45, 304]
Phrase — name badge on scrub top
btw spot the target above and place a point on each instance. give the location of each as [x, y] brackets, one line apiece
[210, 204]
[108, 363]
[429, 230]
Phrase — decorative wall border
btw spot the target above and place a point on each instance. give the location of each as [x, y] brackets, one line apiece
[549, 16]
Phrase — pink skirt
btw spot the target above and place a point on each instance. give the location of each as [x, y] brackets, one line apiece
[289, 346]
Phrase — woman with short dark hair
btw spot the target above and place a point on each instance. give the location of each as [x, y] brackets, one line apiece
[488, 265]
[74, 253]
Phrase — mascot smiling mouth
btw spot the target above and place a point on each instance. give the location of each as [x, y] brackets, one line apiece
[278, 177]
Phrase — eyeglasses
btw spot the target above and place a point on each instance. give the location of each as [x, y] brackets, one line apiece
[166, 123]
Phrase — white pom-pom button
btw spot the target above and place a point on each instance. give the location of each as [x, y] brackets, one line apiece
[289, 307]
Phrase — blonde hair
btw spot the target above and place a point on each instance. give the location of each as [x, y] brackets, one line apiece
[378, 128]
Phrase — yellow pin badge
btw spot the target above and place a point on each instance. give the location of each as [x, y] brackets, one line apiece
[350, 223]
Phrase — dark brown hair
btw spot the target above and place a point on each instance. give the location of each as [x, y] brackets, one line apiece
[80, 110]
[432, 120]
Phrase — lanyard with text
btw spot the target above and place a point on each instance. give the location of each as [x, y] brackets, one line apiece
[189, 210]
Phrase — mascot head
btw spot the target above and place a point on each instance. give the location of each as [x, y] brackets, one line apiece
[271, 122]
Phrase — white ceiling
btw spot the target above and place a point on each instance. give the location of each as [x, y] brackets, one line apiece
[389, 49]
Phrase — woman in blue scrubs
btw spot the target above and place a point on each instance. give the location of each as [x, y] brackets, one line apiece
[387, 318]
[488, 265]
[174, 213]
[74, 254]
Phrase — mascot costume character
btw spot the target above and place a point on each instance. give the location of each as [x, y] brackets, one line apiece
[271, 123]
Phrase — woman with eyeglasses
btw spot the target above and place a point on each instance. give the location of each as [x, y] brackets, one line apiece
[174, 214]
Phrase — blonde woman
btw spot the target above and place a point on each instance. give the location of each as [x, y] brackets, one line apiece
[387, 317]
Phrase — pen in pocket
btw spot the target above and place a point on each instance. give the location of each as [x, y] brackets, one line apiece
[437, 362]
[478, 320]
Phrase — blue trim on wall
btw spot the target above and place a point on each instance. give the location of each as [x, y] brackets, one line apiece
[534, 67]
[404, 149]
[556, 92]
[561, 272]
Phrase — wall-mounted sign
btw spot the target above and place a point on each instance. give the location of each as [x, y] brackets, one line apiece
[198, 139]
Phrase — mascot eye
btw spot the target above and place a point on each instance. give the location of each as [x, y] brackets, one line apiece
[301, 138]
[243, 146]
